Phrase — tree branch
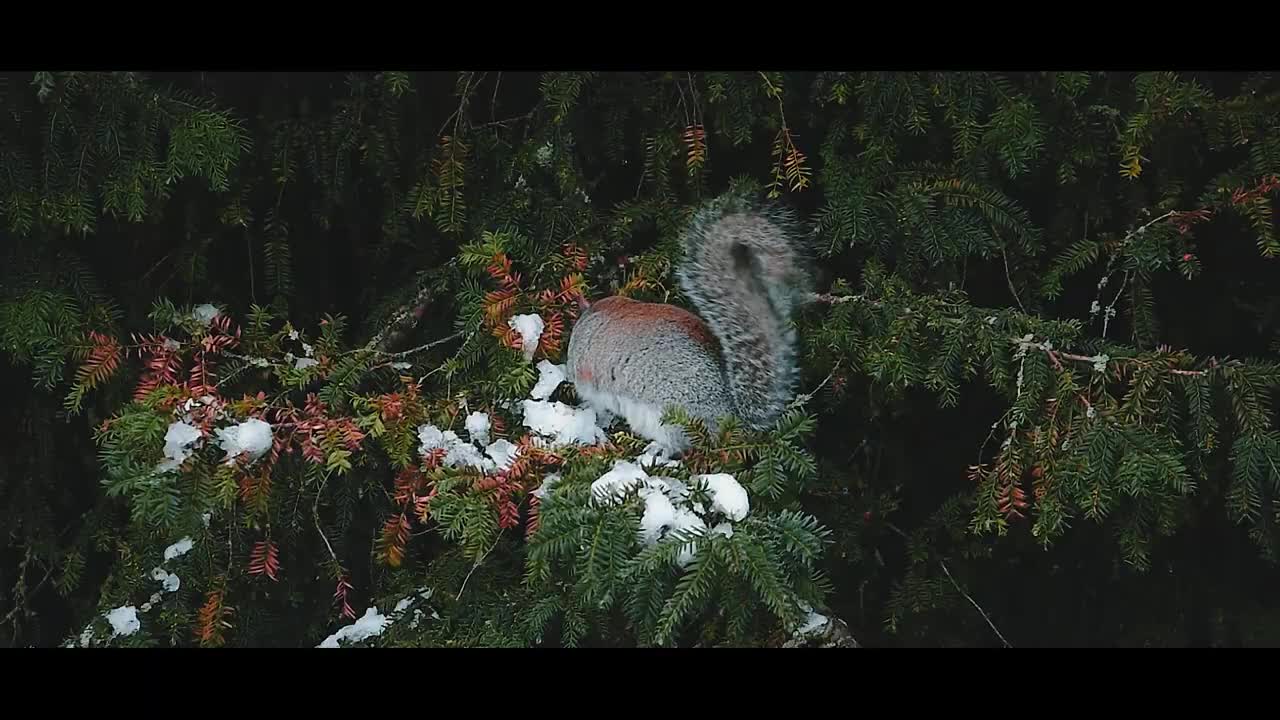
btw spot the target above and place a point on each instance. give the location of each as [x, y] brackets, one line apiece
[959, 589]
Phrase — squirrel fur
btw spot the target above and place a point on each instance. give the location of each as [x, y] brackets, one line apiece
[744, 273]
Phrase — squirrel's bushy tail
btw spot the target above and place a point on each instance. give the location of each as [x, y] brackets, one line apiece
[745, 271]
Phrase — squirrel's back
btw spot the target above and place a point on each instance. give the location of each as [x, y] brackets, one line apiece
[744, 273]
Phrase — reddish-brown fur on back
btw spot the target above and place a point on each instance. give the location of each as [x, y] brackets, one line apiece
[642, 315]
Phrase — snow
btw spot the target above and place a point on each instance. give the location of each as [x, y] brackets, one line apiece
[168, 581]
[458, 452]
[478, 426]
[687, 520]
[180, 548]
[462, 454]
[565, 425]
[530, 328]
[727, 496]
[645, 419]
[430, 438]
[724, 529]
[204, 314]
[177, 445]
[251, 437]
[544, 489]
[667, 509]
[124, 620]
[549, 378]
[371, 624]
[303, 363]
[656, 454]
[815, 622]
[622, 477]
[502, 453]
[659, 514]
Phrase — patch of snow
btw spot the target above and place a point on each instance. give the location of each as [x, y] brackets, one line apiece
[621, 478]
[659, 514]
[530, 328]
[503, 453]
[814, 623]
[656, 454]
[549, 378]
[563, 424]
[544, 489]
[205, 314]
[478, 426]
[177, 445]
[369, 625]
[727, 496]
[182, 547]
[251, 437]
[724, 529]
[124, 620]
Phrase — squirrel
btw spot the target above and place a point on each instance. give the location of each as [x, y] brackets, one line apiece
[744, 272]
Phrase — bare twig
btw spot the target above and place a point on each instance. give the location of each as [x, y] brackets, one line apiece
[829, 299]
[418, 349]
[477, 565]
[1009, 277]
[693, 92]
[405, 317]
[959, 589]
[975, 604]
[20, 589]
[459, 115]
[315, 513]
[803, 398]
[1111, 261]
[493, 103]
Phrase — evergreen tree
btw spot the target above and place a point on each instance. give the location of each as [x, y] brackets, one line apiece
[1011, 269]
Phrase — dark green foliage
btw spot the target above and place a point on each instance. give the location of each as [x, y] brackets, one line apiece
[1010, 269]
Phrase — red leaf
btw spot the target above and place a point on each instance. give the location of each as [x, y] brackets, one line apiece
[265, 559]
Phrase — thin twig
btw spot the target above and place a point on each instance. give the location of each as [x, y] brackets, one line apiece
[493, 103]
[959, 589]
[1009, 277]
[24, 592]
[477, 565]
[803, 398]
[315, 513]
[1110, 311]
[693, 92]
[418, 349]
[975, 604]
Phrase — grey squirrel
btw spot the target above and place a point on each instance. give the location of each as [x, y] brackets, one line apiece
[745, 273]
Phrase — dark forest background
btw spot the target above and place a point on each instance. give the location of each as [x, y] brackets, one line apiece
[961, 211]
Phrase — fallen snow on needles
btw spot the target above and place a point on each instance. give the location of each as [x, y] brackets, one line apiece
[668, 507]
